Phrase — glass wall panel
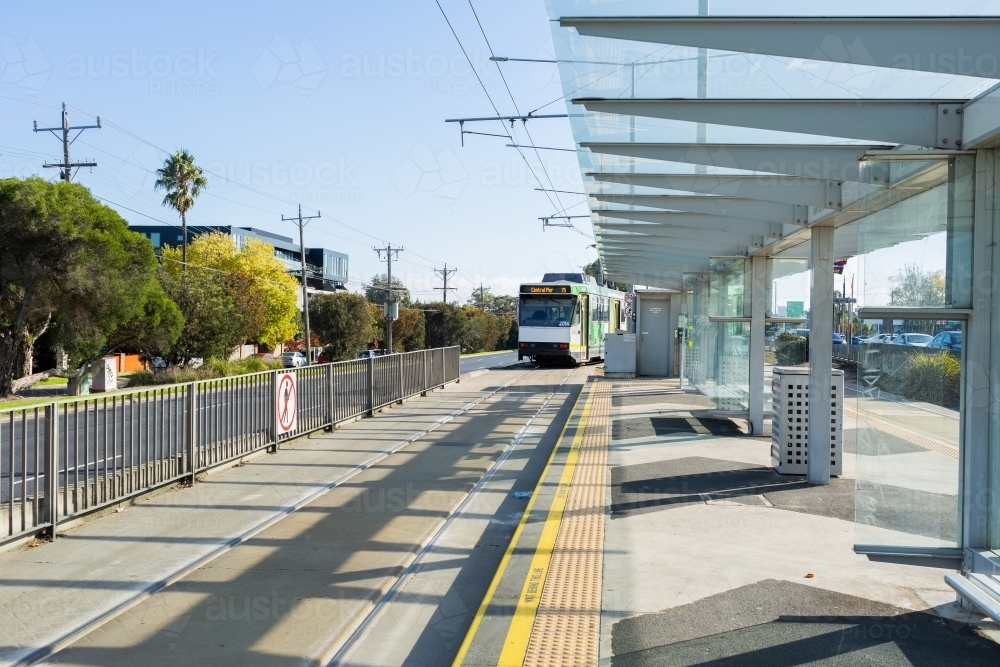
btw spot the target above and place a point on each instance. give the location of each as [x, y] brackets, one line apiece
[905, 432]
[918, 250]
[730, 280]
[905, 424]
[717, 362]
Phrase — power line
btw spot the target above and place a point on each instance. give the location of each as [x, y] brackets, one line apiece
[489, 97]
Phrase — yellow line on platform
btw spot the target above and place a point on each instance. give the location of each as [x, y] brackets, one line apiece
[477, 620]
[516, 643]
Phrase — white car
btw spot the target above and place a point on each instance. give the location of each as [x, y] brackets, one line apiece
[912, 339]
[293, 360]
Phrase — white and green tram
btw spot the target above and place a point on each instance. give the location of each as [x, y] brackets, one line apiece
[563, 319]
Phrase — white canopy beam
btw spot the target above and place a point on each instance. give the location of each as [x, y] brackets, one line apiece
[936, 123]
[786, 189]
[789, 214]
[964, 45]
[830, 162]
[653, 243]
[700, 221]
[639, 231]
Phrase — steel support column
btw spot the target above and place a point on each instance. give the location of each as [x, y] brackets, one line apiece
[820, 355]
[979, 500]
[758, 306]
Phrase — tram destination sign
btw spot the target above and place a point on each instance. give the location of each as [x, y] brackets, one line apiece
[545, 289]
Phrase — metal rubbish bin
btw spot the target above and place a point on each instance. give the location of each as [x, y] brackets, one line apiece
[790, 421]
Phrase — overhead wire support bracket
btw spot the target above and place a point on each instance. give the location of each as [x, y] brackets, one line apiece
[545, 221]
[511, 119]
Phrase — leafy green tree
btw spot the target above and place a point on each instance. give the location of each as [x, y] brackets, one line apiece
[343, 322]
[183, 181]
[153, 329]
[445, 325]
[212, 322]
[410, 330]
[498, 304]
[377, 293]
[265, 295]
[915, 287]
[592, 271]
[70, 267]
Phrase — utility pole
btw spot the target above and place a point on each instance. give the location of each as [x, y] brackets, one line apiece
[444, 273]
[388, 250]
[301, 222]
[66, 165]
[482, 298]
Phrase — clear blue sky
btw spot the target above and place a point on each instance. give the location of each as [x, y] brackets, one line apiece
[339, 105]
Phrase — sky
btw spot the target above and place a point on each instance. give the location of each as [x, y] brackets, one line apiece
[339, 106]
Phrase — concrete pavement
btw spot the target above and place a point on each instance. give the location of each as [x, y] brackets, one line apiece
[251, 582]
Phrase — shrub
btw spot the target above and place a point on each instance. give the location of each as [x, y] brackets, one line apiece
[934, 378]
[791, 349]
[214, 368]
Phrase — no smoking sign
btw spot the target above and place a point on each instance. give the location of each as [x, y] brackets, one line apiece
[287, 403]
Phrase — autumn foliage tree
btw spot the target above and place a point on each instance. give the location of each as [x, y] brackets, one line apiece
[263, 294]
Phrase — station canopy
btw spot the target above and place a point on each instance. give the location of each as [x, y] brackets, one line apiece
[703, 137]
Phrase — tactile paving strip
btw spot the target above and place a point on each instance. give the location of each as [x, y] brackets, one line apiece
[900, 432]
[568, 623]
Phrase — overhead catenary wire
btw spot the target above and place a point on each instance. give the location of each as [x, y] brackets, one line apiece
[496, 110]
[514, 102]
[120, 187]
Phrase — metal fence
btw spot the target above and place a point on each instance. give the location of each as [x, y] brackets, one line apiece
[63, 459]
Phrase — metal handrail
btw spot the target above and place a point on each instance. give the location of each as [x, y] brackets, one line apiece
[64, 459]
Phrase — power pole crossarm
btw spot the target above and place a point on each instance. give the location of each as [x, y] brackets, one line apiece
[63, 131]
[445, 273]
[301, 221]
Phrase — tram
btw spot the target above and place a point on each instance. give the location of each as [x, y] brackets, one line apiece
[563, 319]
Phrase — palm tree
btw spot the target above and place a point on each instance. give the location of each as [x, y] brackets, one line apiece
[183, 180]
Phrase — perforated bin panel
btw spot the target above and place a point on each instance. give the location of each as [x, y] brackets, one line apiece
[790, 421]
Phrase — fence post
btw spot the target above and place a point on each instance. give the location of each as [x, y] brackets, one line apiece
[52, 465]
[371, 386]
[331, 411]
[423, 383]
[272, 401]
[399, 378]
[192, 430]
[458, 376]
[444, 366]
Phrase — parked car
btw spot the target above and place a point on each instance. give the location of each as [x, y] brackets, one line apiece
[912, 339]
[371, 353]
[838, 339]
[293, 359]
[858, 340]
[947, 340]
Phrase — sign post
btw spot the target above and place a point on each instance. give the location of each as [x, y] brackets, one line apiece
[286, 403]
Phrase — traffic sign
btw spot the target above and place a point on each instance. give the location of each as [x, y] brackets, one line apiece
[287, 402]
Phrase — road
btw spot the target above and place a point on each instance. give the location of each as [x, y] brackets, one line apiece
[494, 359]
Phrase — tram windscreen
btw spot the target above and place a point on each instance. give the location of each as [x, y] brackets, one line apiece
[537, 311]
